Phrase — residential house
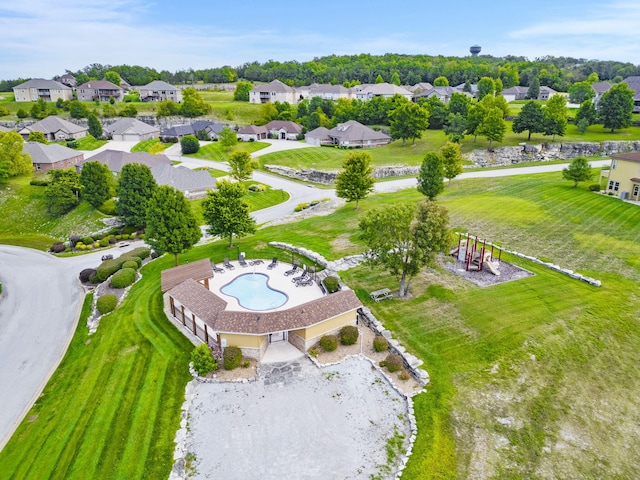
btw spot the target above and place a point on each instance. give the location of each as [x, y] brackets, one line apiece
[52, 156]
[253, 133]
[212, 129]
[158, 90]
[192, 305]
[600, 88]
[324, 91]
[419, 87]
[520, 93]
[116, 159]
[472, 86]
[193, 183]
[441, 93]
[284, 129]
[5, 129]
[131, 130]
[634, 84]
[55, 129]
[350, 134]
[39, 88]
[68, 80]
[274, 91]
[624, 176]
[101, 90]
[366, 92]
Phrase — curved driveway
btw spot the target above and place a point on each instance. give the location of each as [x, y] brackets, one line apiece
[39, 310]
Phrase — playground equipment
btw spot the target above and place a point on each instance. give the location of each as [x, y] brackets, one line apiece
[476, 254]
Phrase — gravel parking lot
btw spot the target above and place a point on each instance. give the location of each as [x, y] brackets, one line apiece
[297, 421]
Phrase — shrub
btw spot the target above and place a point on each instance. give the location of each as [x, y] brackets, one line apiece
[94, 279]
[393, 362]
[58, 247]
[329, 343]
[107, 303]
[128, 230]
[154, 255]
[72, 144]
[300, 207]
[87, 240]
[142, 252]
[87, 274]
[104, 242]
[123, 278]
[348, 335]
[332, 284]
[189, 144]
[314, 352]
[108, 207]
[73, 239]
[595, 187]
[131, 264]
[232, 357]
[404, 375]
[39, 183]
[380, 344]
[246, 364]
[108, 267]
[203, 361]
[112, 240]
[169, 139]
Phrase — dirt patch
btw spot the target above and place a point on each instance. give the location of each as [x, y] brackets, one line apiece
[484, 278]
[341, 243]
[237, 374]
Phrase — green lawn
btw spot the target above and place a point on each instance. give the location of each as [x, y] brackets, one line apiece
[89, 143]
[217, 153]
[517, 370]
[26, 222]
[145, 145]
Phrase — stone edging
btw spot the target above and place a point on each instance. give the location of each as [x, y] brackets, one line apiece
[344, 263]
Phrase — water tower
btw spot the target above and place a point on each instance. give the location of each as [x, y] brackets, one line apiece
[475, 50]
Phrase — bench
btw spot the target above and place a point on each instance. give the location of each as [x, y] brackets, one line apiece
[381, 294]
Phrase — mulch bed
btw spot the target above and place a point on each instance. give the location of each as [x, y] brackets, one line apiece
[485, 278]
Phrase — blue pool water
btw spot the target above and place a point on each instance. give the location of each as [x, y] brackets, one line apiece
[253, 292]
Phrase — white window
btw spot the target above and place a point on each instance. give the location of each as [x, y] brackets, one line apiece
[613, 164]
[616, 186]
[635, 190]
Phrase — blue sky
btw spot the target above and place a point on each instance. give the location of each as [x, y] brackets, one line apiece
[39, 40]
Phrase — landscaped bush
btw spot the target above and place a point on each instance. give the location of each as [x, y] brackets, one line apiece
[108, 268]
[189, 144]
[127, 230]
[404, 375]
[329, 343]
[94, 279]
[39, 183]
[87, 274]
[393, 362]
[232, 357]
[131, 264]
[300, 207]
[380, 344]
[203, 361]
[595, 187]
[142, 252]
[108, 207]
[123, 278]
[87, 240]
[107, 303]
[332, 284]
[58, 247]
[112, 240]
[348, 335]
[104, 242]
[314, 352]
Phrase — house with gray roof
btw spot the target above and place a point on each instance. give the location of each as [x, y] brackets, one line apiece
[101, 90]
[520, 93]
[283, 129]
[274, 91]
[366, 92]
[600, 88]
[253, 133]
[4, 129]
[441, 93]
[633, 83]
[158, 90]
[40, 88]
[131, 130]
[55, 129]
[419, 87]
[47, 157]
[116, 159]
[350, 134]
[324, 91]
[68, 80]
[193, 183]
[212, 129]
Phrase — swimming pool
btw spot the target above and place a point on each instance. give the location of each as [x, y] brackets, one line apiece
[253, 292]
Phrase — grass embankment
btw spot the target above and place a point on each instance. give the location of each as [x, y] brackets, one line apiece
[225, 109]
[112, 407]
[216, 152]
[145, 145]
[25, 221]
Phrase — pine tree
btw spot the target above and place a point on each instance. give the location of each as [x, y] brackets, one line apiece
[135, 187]
[96, 180]
[95, 128]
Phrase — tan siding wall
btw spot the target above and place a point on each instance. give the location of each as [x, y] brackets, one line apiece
[623, 172]
[327, 326]
[249, 341]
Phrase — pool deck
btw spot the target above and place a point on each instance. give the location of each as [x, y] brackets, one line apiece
[277, 281]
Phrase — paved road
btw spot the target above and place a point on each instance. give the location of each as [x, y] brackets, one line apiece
[39, 310]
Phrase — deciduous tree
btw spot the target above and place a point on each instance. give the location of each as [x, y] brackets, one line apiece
[451, 160]
[63, 192]
[534, 88]
[586, 115]
[615, 108]
[241, 93]
[227, 138]
[97, 183]
[225, 213]
[431, 176]
[113, 77]
[579, 92]
[37, 137]
[395, 79]
[355, 181]
[441, 81]
[171, 226]
[578, 171]
[95, 128]
[13, 161]
[530, 118]
[486, 86]
[555, 116]
[493, 126]
[192, 103]
[455, 127]
[408, 120]
[241, 166]
[403, 239]
[135, 187]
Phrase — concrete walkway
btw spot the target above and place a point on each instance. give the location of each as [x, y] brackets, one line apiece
[281, 352]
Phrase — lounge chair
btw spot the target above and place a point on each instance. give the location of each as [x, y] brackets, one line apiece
[292, 271]
[300, 277]
[256, 262]
[243, 263]
[273, 263]
[216, 269]
[305, 282]
[227, 264]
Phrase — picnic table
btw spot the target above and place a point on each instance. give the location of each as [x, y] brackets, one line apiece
[381, 294]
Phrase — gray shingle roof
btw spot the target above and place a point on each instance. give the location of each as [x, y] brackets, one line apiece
[99, 84]
[115, 159]
[52, 153]
[274, 86]
[159, 85]
[195, 271]
[183, 178]
[130, 125]
[54, 124]
[321, 132]
[354, 131]
[253, 129]
[287, 125]
[43, 84]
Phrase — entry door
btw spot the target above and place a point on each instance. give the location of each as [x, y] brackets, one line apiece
[278, 337]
